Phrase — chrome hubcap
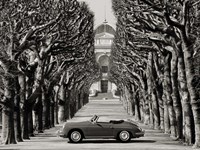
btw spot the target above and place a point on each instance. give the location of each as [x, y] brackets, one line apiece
[75, 136]
[124, 135]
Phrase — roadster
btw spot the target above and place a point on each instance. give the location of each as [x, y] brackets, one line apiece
[93, 129]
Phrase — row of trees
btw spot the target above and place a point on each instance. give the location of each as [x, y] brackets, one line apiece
[155, 63]
[47, 64]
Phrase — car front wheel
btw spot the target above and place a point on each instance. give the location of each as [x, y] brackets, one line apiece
[75, 136]
[124, 136]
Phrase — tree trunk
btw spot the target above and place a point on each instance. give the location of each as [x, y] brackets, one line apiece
[155, 106]
[160, 105]
[137, 105]
[194, 95]
[52, 114]
[159, 88]
[79, 100]
[56, 104]
[166, 111]
[176, 96]
[30, 122]
[76, 96]
[125, 101]
[40, 113]
[86, 98]
[159, 92]
[128, 101]
[123, 97]
[166, 119]
[150, 88]
[67, 105]
[18, 129]
[30, 105]
[72, 100]
[185, 100]
[61, 103]
[8, 130]
[46, 110]
[156, 113]
[168, 92]
[132, 103]
[25, 124]
[22, 82]
[144, 104]
[82, 99]
[50, 96]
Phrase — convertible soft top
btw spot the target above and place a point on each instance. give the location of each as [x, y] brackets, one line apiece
[116, 121]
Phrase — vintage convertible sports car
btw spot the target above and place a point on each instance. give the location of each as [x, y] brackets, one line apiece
[93, 129]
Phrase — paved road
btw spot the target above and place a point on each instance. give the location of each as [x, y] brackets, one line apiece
[153, 140]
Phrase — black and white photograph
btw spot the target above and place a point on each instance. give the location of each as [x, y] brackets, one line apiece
[99, 74]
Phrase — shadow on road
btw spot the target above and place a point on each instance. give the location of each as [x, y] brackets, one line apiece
[113, 141]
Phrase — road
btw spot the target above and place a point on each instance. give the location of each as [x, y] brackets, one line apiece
[106, 108]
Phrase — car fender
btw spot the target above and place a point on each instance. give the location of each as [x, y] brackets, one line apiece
[75, 129]
[118, 130]
[68, 127]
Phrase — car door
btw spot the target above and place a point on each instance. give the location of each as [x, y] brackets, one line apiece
[99, 130]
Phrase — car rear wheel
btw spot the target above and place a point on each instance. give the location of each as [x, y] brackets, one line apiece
[75, 136]
[124, 136]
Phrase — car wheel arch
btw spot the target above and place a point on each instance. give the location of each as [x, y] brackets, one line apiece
[76, 129]
[130, 133]
[118, 132]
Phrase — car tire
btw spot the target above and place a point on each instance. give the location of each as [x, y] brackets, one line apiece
[124, 136]
[75, 136]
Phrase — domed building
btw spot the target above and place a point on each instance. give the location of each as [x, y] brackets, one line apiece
[104, 35]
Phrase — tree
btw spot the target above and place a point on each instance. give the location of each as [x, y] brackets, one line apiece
[39, 41]
[152, 28]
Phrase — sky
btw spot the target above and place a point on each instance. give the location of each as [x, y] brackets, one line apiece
[102, 8]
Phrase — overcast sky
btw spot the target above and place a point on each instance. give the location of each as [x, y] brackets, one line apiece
[100, 8]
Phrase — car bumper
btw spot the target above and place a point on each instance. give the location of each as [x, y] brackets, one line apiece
[140, 134]
[60, 133]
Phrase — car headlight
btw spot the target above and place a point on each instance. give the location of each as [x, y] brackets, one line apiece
[63, 126]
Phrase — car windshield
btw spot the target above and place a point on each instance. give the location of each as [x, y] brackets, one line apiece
[94, 118]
